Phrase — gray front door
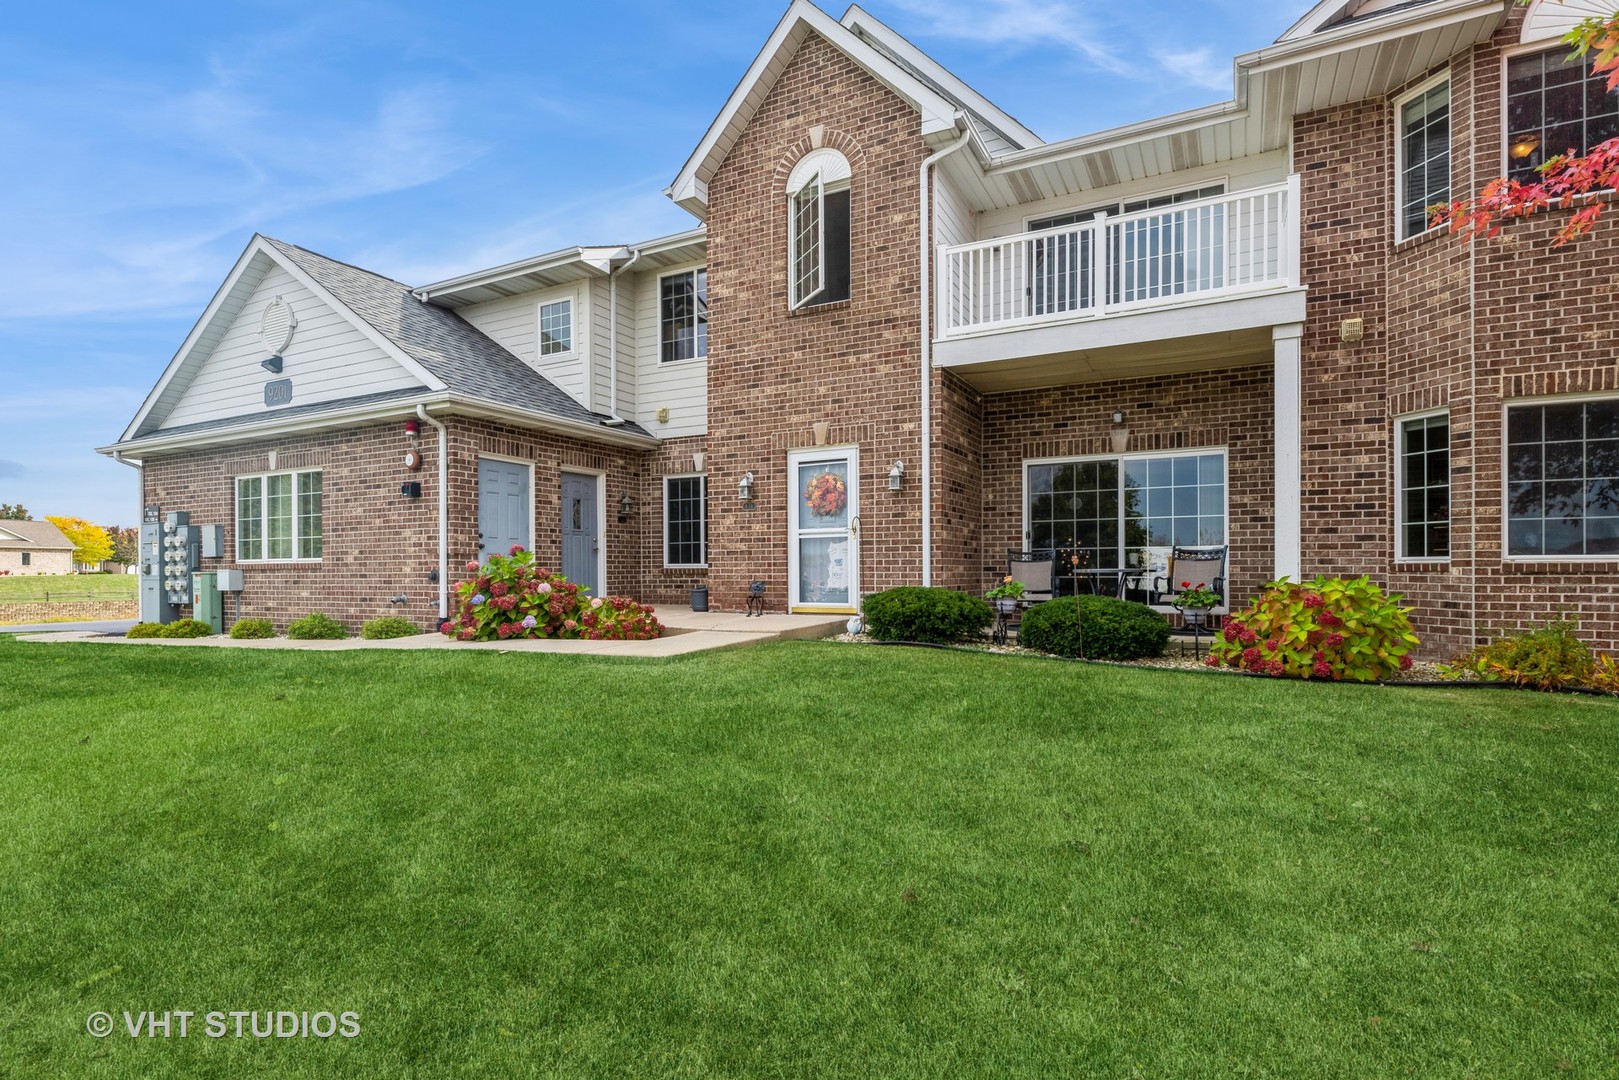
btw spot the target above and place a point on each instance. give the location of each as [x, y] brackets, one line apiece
[581, 534]
[504, 518]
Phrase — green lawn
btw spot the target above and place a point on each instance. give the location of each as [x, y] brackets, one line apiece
[63, 587]
[802, 859]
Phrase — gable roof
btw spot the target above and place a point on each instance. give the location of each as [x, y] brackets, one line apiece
[924, 90]
[447, 355]
[32, 536]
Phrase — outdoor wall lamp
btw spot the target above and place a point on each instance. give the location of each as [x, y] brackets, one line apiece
[625, 505]
[896, 476]
[1120, 433]
[271, 364]
[744, 487]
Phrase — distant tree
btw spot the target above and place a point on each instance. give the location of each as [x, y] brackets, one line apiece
[126, 544]
[14, 513]
[91, 544]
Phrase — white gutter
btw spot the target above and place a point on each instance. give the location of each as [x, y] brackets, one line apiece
[612, 338]
[443, 513]
[462, 404]
[927, 346]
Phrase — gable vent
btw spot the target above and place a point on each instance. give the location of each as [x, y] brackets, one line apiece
[277, 325]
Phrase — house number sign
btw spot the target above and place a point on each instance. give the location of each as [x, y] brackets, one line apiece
[278, 392]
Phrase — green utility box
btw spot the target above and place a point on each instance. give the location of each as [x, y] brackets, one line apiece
[205, 605]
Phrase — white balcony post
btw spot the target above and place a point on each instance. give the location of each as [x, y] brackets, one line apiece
[1104, 259]
[1287, 344]
[1290, 231]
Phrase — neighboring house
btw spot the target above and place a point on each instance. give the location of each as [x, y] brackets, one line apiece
[910, 336]
[34, 547]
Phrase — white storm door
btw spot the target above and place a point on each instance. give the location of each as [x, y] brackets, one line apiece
[823, 529]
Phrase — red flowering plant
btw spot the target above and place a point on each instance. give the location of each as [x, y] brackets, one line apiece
[1329, 628]
[826, 494]
[510, 597]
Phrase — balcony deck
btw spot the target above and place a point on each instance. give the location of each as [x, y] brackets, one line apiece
[1192, 284]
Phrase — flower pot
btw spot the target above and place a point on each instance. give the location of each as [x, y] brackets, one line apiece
[1006, 605]
[699, 598]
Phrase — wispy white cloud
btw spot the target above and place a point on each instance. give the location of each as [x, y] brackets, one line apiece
[1021, 23]
[1199, 67]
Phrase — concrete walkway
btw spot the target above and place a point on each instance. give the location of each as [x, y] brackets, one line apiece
[111, 626]
[686, 631]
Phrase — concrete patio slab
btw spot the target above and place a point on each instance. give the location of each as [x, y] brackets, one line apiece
[686, 631]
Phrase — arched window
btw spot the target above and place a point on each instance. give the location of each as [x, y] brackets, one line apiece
[818, 230]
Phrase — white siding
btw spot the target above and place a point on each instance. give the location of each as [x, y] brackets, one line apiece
[327, 360]
[953, 217]
[596, 360]
[1249, 172]
[681, 387]
[514, 322]
[627, 368]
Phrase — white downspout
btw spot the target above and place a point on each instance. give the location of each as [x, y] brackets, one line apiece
[612, 338]
[927, 351]
[443, 513]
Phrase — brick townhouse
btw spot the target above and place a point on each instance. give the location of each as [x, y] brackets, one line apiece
[907, 336]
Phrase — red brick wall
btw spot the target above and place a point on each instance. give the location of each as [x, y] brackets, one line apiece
[377, 543]
[773, 373]
[1467, 327]
[1229, 408]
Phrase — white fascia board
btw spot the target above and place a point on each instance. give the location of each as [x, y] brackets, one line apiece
[1125, 135]
[1386, 27]
[371, 333]
[862, 21]
[255, 246]
[593, 261]
[800, 19]
[453, 404]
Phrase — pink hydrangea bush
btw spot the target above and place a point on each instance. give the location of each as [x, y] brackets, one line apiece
[509, 597]
[1329, 628]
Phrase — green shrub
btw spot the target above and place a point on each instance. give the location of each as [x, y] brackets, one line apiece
[915, 613]
[317, 626]
[1548, 657]
[145, 630]
[252, 628]
[1329, 628]
[510, 597]
[186, 628]
[1094, 627]
[389, 626]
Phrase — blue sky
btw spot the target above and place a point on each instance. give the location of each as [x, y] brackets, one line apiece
[145, 143]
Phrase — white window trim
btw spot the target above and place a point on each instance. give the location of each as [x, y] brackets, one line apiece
[1544, 399]
[1399, 490]
[701, 357]
[1400, 235]
[576, 323]
[684, 566]
[264, 519]
[831, 172]
[1508, 55]
[1225, 507]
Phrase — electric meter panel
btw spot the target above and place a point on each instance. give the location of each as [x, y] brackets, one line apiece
[180, 548]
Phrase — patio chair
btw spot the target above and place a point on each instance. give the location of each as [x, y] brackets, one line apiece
[1201, 566]
[1035, 570]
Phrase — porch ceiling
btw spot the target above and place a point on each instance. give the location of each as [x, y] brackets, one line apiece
[1206, 352]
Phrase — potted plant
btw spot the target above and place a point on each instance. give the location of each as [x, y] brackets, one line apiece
[1006, 595]
[1194, 602]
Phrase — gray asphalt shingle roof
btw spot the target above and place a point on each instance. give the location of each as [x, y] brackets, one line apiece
[454, 351]
[33, 536]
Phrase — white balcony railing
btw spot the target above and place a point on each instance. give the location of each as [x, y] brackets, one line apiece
[1244, 242]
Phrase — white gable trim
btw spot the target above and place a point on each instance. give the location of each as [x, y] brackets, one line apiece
[223, 308]
[862, 22]
[690, 187]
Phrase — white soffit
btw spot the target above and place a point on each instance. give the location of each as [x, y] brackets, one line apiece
[1550, 19]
